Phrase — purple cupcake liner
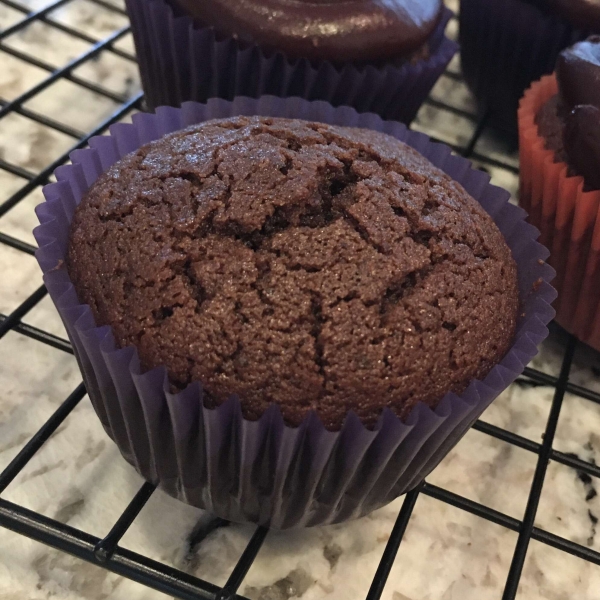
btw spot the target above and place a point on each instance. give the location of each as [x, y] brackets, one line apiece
[264, 471]
[505, 46]
[180, 61]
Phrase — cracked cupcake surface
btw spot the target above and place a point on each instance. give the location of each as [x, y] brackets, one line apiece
[313, 266]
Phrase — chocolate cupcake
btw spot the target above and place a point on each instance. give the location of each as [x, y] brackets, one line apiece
[560, 181]
[376, 57]
[311, 266]
[338, 31]
[288, 322]
[507, 44]
[570, 120]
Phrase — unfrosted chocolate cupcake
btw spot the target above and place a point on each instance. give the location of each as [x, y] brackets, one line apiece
[508, 44]
[297, 263]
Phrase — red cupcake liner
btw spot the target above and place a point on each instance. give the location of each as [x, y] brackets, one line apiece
[568, 218]
[505, 45]
[264, 471]
[180, 61]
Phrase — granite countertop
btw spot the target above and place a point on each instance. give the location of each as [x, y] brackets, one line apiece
[80, 478]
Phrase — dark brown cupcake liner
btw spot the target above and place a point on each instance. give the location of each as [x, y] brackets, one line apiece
[180, 61]
[264, 471]
[505, 45]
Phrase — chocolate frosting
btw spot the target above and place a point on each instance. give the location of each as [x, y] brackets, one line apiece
[581, 139]
[335, 30]
[578, 75]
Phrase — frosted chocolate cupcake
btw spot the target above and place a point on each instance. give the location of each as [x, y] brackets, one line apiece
[311, 266]
[560, 182]
[376, 57]
[570, 120]
[338, 31]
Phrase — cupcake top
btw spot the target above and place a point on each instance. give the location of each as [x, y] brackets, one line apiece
[335, 30]
[570, 121]
[284, 261]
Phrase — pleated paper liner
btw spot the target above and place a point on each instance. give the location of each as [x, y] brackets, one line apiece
[505, 45]
[568, 218]
[180, 61]
[264, 471]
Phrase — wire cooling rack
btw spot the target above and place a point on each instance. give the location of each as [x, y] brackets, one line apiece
[106, 552]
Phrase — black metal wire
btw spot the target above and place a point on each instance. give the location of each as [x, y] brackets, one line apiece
[516, 567]
[8, 240]
[47, 121]
[31, 17]
[123, 562]
[58, 73]
[570, 388]
[243, 565]
[46, 19]
[106, 552]
[42, 177]
[22, 310]
[391, 548]
[16, 170]
[39, 439]
[68, 75]
[498, 518]
[39, 335]
[105, 548]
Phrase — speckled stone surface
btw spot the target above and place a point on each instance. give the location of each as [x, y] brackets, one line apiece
[80, 478]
